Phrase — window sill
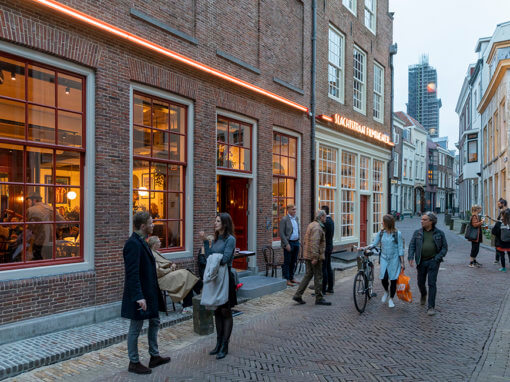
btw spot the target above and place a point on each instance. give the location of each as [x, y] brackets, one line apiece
[49, 270]
[337, 99]
[361, 111]
[177, 255]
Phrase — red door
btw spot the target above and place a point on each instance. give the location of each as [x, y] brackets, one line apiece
[363, 220]
[233, 198]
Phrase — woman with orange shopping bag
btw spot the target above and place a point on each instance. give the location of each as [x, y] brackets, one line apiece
[391, 259]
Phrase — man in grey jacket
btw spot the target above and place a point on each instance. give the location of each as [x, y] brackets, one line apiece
[428, 247]
[289, 236]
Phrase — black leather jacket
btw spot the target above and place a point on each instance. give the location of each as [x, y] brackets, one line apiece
[417, 242]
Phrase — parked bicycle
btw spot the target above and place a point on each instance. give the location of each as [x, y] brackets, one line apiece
[363, 288]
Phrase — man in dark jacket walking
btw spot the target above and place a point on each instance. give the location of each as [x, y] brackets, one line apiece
[142, 298]
[428, 247]
[328, 277]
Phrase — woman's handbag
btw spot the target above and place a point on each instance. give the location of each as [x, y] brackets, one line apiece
[471, 233]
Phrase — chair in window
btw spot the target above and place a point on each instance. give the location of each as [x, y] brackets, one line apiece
[271, 260]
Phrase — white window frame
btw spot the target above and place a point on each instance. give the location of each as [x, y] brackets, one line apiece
[351, 5]
[395, 165]
[187, 252]
[362, 80]
[378, 93]
[88, 186]
[331, 178]
[337, 66]
[352, 191]
[371, 14]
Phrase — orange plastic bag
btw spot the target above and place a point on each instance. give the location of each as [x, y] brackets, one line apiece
[403, 288]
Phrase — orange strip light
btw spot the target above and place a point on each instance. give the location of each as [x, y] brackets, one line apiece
[176, 56]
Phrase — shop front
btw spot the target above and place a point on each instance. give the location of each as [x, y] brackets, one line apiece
[352, 181]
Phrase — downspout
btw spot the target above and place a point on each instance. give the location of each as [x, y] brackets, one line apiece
[312, 107]
[393, 51]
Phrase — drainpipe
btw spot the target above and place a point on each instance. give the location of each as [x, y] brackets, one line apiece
[393, 51]
[312, 106]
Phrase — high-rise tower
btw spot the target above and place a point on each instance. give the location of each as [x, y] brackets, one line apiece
[423, 104]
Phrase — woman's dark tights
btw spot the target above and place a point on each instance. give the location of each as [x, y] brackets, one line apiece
[224, 322]
[393, 287]
[502, 257]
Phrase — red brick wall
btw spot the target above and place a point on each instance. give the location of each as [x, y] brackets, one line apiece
[116, 65]
[376, 48]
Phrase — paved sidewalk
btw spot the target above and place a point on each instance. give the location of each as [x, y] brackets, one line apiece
[277, 340]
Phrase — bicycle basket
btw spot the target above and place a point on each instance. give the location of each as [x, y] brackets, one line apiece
[359, 260]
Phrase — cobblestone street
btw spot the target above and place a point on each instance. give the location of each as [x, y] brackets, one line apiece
[277, 340]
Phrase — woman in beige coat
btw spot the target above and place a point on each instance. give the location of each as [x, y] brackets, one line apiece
[178, 283]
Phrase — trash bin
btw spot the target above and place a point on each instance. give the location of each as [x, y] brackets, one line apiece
[203, 322]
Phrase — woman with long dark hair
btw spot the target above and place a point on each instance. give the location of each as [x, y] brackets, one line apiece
[476, 222]
[225, 243]
[392, 257]
[502, 246]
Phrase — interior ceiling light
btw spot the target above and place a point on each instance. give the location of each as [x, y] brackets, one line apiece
[167, 52]
[13, 76]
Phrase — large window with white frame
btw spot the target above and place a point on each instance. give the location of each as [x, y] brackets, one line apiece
[284, 176]
[395, 165]
[351, 5]
[378, 111]
[370, 15]
[327, 177]
[359, 80]
[42, 158]
[159, 165]
[348, 185]
[336, 64]
[377, 188]
[364, 168]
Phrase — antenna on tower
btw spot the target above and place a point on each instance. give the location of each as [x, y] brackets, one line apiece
[424, 59]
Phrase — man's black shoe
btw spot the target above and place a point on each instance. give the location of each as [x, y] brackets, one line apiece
[138, 368]
[330, 291]
[423, 299]
[322, 302]
[299, 300]
[158, 360]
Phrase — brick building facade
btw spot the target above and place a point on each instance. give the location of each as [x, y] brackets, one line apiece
[168, 107]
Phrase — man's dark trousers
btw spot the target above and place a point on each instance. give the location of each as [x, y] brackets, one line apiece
[328, 277]
[428, 269]
[290, 260]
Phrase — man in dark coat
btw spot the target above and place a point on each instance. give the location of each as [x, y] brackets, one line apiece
[328, 277]
[142, 298]
[427, 248]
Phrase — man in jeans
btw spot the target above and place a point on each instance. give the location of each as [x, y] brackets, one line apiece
[289, 236]
[142, 298]
[313, 253]
[427, 247]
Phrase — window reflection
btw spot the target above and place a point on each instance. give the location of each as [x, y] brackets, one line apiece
[158, 167]
[233, 144]
[40, 187]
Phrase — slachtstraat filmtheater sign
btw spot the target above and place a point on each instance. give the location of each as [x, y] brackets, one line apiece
[347, 123]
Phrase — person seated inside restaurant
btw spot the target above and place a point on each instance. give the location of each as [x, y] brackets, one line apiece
[178, 283]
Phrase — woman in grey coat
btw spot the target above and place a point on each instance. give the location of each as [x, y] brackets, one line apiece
[225, 243]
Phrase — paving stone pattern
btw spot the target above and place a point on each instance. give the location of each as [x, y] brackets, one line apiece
[21, 356]
[277, 340]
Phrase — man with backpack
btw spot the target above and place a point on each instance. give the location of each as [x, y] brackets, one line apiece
[428, 246]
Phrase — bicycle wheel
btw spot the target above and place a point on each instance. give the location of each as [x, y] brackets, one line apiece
[360, 291]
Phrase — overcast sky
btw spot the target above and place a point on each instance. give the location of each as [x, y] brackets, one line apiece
[446, 30]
